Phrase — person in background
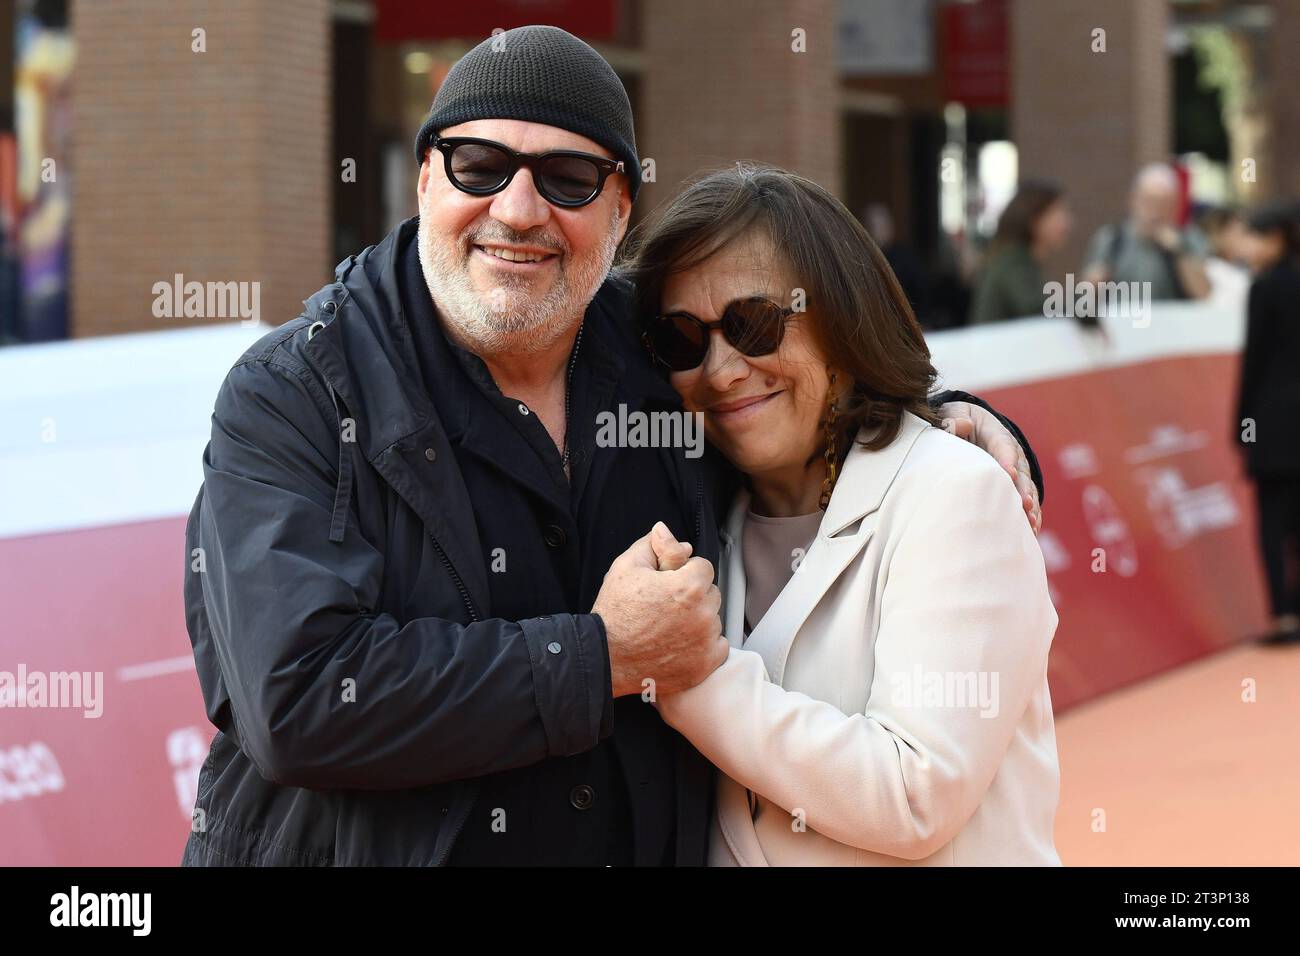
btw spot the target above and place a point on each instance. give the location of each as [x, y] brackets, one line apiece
[906, 264]
[1149, 246]
[1267, 425]
[951, 276]
[1036, 223]
[1225, 230]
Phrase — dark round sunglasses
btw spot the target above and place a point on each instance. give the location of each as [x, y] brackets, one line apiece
[564, 177]
[753, 326]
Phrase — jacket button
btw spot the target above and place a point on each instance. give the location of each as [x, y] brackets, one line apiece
[329, 306]
[430, 454]
[554, 536]
[523, 409]
[554, 647]
[582, 797]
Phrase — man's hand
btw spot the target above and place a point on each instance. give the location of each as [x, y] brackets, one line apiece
[981, 427]
[1168, 238]
[660, 608]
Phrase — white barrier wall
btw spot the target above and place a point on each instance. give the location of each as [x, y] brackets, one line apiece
[109, 430]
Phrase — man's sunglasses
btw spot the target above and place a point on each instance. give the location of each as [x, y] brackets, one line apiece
[564, 177]
[754, 327]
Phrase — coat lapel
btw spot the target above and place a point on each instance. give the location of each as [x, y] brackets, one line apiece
[861, 487]
[821, 566]
[731, 578]
[436, 493]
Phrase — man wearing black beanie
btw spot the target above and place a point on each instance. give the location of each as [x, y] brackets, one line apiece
[542, 75]
[429, 622]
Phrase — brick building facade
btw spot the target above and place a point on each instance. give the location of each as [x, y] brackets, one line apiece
[224, 165]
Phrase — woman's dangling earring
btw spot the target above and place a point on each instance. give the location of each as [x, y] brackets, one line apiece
[831, 453]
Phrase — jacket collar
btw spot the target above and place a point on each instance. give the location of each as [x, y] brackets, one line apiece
[364, 349]
[360, 343]
[842, 534]
[867, 475]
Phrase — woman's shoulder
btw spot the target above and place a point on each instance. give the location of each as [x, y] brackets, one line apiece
[949, 493]
[931, 488]
[922, 457]
[923, 467]
[941, 465]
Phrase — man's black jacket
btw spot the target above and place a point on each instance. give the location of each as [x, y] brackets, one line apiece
[1269, 390]
[336, 600]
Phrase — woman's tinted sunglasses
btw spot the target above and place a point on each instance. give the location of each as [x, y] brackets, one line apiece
[564, 177]
[753, 326]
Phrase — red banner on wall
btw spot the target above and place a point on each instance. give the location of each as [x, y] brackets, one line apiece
[399, 21]
[975, 56]
[1149, 527]
[107, 779]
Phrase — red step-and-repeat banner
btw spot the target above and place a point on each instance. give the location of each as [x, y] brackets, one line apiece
[1149, 526]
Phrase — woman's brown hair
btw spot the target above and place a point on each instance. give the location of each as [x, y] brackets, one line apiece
[861, 320]
[1018, 220]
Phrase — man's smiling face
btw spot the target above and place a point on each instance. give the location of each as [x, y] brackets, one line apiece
[511, 271]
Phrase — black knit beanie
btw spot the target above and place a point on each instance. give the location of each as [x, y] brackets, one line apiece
[542, 75]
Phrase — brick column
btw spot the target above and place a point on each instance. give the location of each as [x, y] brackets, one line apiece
[721, 83]
[1089, 120]
[214, 165]
[1281, 177]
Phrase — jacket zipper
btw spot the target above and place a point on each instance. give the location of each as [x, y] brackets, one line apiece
[699, 508]
[455, 576]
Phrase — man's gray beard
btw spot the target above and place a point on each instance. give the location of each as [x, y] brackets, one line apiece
[509, 320]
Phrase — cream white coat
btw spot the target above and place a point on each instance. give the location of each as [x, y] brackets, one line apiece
[850, 729]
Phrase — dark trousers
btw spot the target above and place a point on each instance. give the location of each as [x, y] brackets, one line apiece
[1279, 540]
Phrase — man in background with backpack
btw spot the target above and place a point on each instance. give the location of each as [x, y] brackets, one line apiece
[1150, 246]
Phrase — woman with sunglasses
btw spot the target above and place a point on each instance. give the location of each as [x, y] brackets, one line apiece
[885, 699]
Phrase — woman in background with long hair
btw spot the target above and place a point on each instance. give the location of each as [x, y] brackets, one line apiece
[1035, 224]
